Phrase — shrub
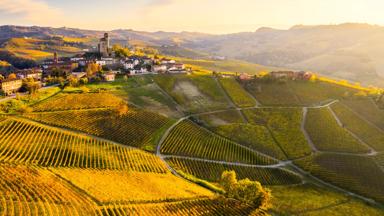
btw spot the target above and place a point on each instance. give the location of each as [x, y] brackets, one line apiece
[246, 191]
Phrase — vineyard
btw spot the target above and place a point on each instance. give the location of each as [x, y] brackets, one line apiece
[328, 135]
[367, 109]
[188, 139]
[211, 171]
[253, 136]
[238, 95]
[109, 186]
[74, 101]
[285, 126]
[308, 199]
[34, 144]
[194, 93]
[189, 207]
[220, 118]
[134, 128]
[355, 173]
[364, 130]
[295, 93]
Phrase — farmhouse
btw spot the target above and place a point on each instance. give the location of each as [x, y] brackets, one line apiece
[110, 76]
[244, 76]
[9, 86]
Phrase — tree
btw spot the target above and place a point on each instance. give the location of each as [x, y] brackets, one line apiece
[122, 109]
[92, 69]
[246, 191]
[12, 76]
[120, 52]
[73, 81]
[31, 85]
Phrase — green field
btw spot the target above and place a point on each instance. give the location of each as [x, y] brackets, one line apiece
[367, 109]
[195, 93]
[212, 172]
[368, 133]
[188, 139]
[134, 128]
[309, 199]
[327, 135]
[213, 120]
[354, 173]
[253, 136]
[295, 93]
[238, 95]
[285, 126]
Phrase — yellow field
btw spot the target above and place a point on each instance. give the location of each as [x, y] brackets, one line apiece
[112, 185]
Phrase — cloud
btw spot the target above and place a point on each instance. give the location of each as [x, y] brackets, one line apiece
[31, 10]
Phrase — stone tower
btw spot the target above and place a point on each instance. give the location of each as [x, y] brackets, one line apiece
[104, 45]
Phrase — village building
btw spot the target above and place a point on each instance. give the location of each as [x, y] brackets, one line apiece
[10, 86]
[128, 65]
[79, 75]
[110, 76]
[35, 73]
[245, 76]
[159, 68]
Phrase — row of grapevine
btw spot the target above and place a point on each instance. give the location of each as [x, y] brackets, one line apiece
[285, 126]
[295, 93]
[354, 173]
[132, 128]
[110, 186]
[367, 108]
[365, 131]
[74, 101]
[189, 207]
[380, 160]
[211, 171]
[327, 134]
[23, 141]
[36, 191]
[309, 199]
[238, 95]
[188, 139]
[256, 137]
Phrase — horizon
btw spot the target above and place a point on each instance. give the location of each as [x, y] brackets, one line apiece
[156, 31]
[201, 16]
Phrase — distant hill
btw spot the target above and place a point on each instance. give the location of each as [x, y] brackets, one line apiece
[347, 51]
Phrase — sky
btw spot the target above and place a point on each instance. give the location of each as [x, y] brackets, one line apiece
[210, 16]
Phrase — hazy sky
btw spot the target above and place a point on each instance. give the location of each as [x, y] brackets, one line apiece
[213, 16]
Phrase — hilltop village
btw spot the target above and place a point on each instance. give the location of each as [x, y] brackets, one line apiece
[104, 64]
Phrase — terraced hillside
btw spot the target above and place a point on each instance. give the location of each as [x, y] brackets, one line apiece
[355, 173]
[134, 128]
[195, 93]
[75, 153]
[284, 125]
[328, 135]
[295, 93]
[189, 140]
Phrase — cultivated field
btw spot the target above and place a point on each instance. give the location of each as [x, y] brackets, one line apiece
[188, 139]
[212, 171]
[238, 95]
[354, 173]
[284, 125]
[328, 135]
[134, 128]
[195, 93]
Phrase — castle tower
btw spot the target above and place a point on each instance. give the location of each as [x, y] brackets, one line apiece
[55, 58]
[104, 45]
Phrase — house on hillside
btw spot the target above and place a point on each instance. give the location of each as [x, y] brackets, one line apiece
[110, 76]
[245, 76]
[35, 73]
[10, 86]
[159, 68]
